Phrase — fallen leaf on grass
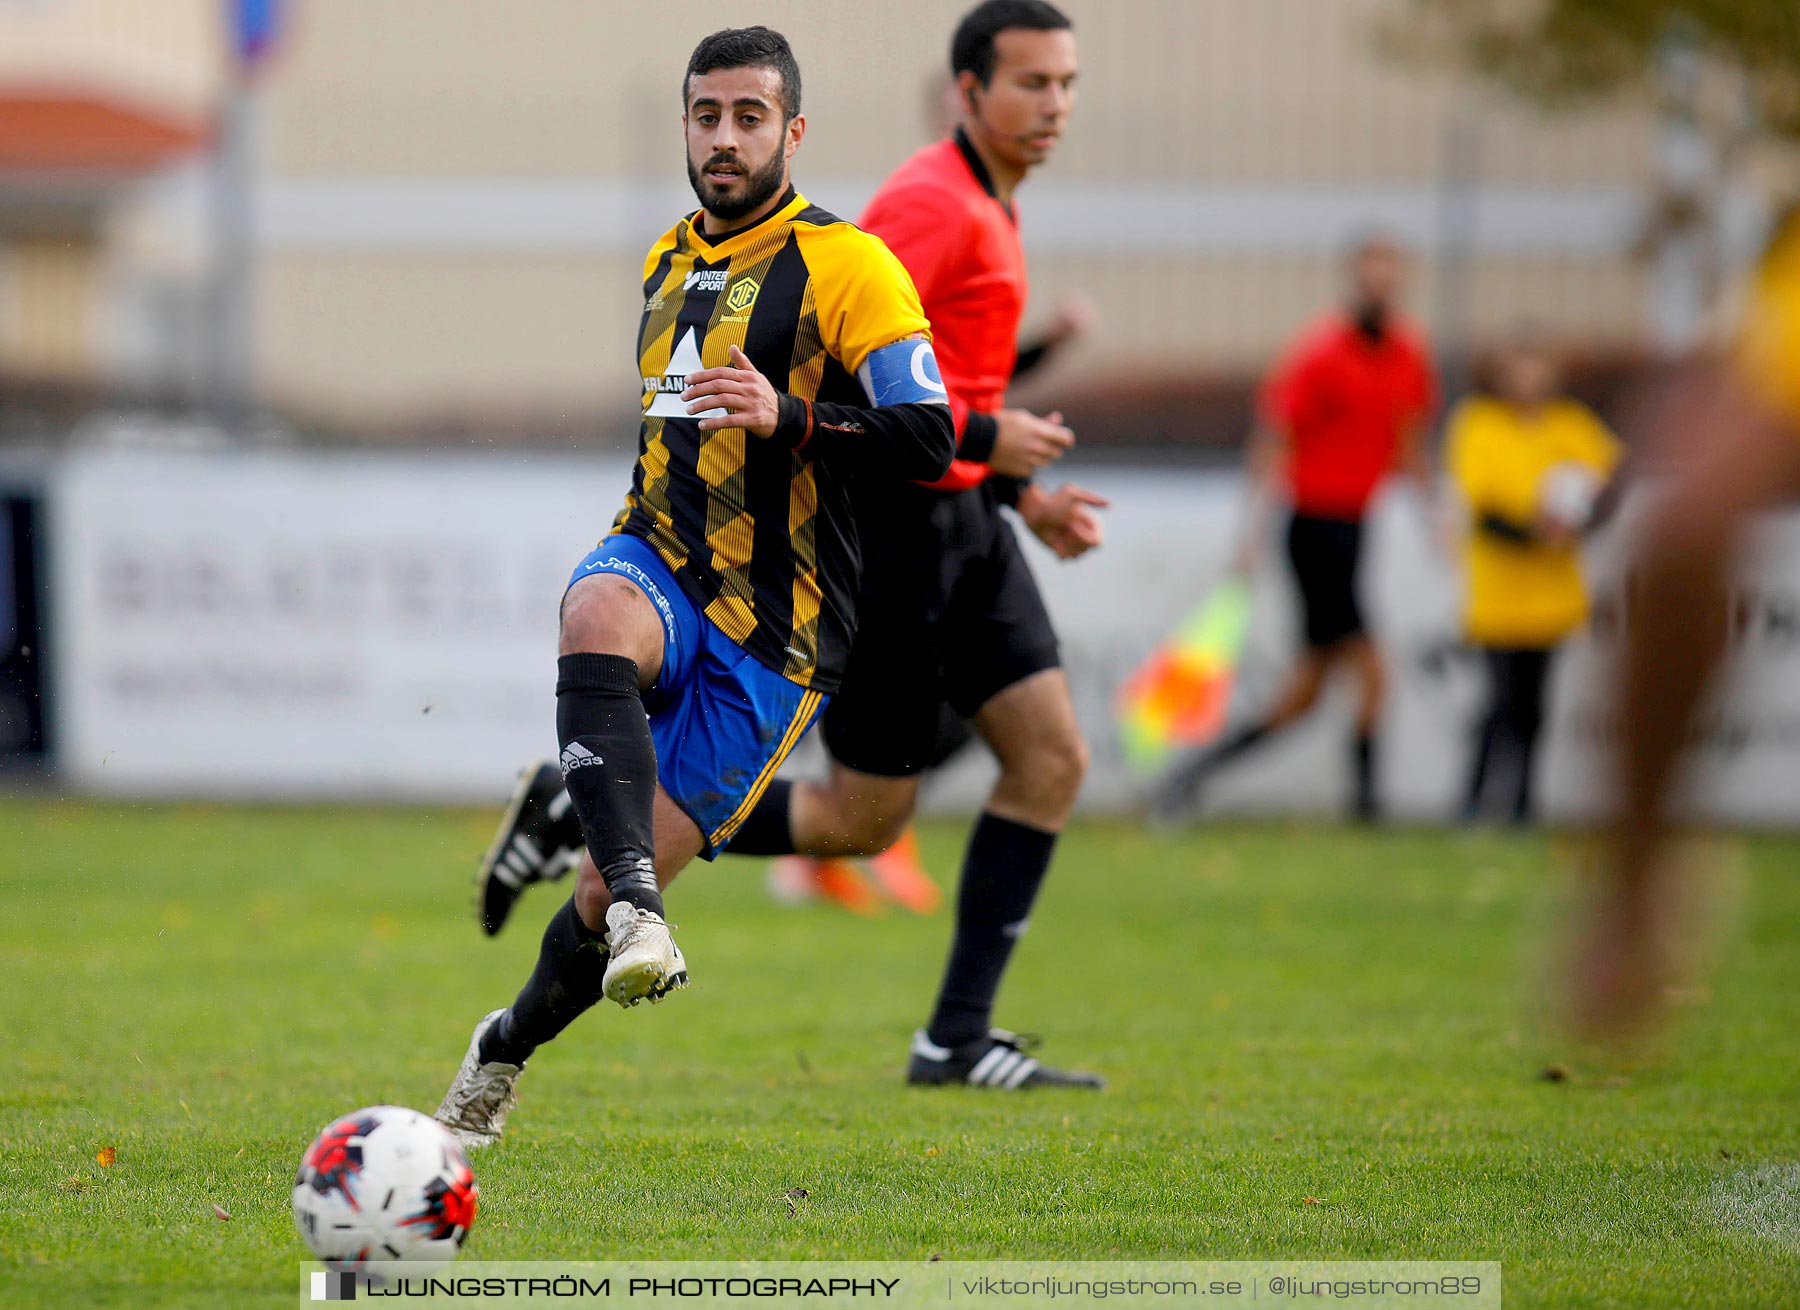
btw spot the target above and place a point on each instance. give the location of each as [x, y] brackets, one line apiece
[1311, 1200]
[106, 1157]
[221, 1211]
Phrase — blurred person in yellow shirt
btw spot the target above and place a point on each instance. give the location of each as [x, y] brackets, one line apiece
[1530, 465]
[1733, 446]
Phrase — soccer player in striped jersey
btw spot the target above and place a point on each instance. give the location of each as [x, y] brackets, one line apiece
[953, 616]
[784, 354]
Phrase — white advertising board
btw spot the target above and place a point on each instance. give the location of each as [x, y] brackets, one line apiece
[374, 626]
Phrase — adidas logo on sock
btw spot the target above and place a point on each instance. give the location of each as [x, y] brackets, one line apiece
[576, 756]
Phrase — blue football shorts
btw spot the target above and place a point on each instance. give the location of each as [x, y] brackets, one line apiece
[722, 721]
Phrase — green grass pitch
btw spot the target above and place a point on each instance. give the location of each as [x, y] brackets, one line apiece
[1324, 1044]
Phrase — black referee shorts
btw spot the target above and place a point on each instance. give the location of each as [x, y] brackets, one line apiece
[948, 616]
[1325, 555]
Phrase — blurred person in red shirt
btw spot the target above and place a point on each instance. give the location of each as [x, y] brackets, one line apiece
[1346, 405]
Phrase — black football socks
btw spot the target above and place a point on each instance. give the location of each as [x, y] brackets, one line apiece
[609, 767]
[1364, 756]
[564, 985]
[1002, 870]
[1192, 775]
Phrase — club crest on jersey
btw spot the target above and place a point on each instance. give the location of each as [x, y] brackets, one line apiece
[706, 279]
[743, 295]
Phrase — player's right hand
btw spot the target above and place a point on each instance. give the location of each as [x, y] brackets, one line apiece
[1025, 443]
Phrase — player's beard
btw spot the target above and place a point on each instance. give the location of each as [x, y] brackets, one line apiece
[760, 186]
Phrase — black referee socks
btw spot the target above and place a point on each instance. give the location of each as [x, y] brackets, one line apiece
[564, 986]
[609, 767]
[1002, 870]
[1366, 803]
[768, 829]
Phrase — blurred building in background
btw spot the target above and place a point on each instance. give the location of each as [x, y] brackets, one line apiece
[447, 200]
[105, 105]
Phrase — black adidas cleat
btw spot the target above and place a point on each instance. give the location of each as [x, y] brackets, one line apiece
[998, 1060]
[539, 841]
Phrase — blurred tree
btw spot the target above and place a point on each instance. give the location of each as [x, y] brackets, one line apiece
[1564, 52]
[1724, 76]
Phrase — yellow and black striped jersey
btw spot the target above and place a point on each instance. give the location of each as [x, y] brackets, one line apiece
[759, 529]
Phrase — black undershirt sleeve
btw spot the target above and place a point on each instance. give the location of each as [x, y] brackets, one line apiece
[914, 441]
[1496, 525]
[980, 432]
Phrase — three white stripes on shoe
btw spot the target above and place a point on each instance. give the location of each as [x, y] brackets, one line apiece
[514, 867]
[1002, 1067]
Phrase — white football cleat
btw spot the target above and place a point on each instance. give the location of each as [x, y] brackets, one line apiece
[645, 963]
[480, 1096]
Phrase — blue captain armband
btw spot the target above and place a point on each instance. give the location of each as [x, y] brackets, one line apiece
[904, 373]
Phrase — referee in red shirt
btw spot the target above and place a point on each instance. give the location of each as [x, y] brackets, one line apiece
[1347, 404]
[951, 615]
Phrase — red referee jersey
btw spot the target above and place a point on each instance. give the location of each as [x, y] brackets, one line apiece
[1344, 402]
[939, 214]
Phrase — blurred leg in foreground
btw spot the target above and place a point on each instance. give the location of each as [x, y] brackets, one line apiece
[1739, 453]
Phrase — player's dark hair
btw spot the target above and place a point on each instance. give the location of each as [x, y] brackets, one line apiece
[747, 47]
[972, 48]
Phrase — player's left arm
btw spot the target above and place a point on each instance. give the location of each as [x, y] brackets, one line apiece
[872, 323]
[907, 433]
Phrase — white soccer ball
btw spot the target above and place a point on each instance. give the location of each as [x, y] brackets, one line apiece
[1567, 494]
[386, 1183]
